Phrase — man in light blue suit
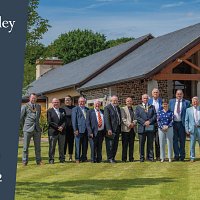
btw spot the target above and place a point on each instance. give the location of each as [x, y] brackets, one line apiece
[80, 130]
[156, 101]
[178, 106]
[192, 125]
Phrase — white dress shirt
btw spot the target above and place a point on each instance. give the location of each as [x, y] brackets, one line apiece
[57, 112]
[196, 115]
[177, 117]
[156, 104]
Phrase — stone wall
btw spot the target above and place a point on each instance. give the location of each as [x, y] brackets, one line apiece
[163, 88]
[133, 89]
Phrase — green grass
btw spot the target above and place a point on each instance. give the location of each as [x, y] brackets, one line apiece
[176, 180]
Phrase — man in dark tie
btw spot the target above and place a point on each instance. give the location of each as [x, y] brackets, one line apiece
[112, 117]
[56, 118]
[146, 118]
[178, 106]
[96, 131]
[30, 115]
[80, 130]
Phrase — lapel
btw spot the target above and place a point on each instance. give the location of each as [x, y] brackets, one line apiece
[173, 104]
[94, 116]
[183, 105]
[56, 114]
[127, 112]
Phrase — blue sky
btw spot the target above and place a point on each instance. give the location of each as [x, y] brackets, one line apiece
[118, 18]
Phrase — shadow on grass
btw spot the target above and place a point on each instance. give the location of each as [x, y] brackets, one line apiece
[92, 187]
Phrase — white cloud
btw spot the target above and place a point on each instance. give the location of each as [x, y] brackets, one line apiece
[178, 4]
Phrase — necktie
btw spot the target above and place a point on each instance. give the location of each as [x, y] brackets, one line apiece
[84, 113]
[99, 119]
[33, 106]
[115, 108]
[178, 107]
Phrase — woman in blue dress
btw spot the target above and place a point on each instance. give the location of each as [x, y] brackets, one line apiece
[165, 130]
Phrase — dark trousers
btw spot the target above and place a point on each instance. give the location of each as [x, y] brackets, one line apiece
[179, 140]
[128, 142]
[142, 139]
[81, 146]
[69, 140]
[52, 146]
[157, 144]
[96, 147]
[111, 146]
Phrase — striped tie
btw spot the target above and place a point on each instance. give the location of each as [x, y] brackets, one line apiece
[99, 119]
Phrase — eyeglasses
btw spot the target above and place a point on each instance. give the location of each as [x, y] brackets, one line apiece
[67, 99]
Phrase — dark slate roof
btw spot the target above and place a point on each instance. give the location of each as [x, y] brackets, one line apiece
[71, 74]
[149, 58]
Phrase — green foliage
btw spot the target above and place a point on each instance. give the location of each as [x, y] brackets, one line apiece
[36, 27]
[76, 44]
[112, 43]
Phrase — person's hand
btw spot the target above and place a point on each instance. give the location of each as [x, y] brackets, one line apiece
[131, 125]
[188, 134]
[147, 123]
[91, 135]
[76, 132]
[60, 128]
[109, 132]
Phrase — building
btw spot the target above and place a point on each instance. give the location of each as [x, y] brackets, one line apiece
[167, 62]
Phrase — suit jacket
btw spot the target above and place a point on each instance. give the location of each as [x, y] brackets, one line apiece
[111, 118]
[185, 105]
[30, 118]
[54, 121]
[143, 116]
[126, 119]
[78, 119]
[189, 120]
[68, 111]
[159, 102]
[92, 123]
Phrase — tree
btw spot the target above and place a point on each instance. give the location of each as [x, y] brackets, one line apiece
[36, 27]
[112, 43]
[76, 44]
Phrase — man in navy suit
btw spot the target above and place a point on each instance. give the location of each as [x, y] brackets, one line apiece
[146, 118]
[96, 131]
[179, 105]
[112, 117]
[156, 101]
[56, 118]
[80, 131]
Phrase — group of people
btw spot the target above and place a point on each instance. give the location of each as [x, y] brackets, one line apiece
[155, 119]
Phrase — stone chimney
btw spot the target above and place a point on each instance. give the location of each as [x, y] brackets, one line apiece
[45, 65]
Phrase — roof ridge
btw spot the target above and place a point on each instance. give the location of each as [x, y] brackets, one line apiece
[115, 59]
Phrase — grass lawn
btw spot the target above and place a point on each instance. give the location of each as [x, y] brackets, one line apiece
[176, 180]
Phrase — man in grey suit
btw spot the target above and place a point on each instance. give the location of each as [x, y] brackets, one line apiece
[30, 115]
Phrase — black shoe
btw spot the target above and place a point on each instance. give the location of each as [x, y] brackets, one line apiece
[182, 159]
[51, 162]
[151, 160]
[62, 161]
[24, 163]
[176, 159]
[123, 161]
[141, 160]
[131, 160]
